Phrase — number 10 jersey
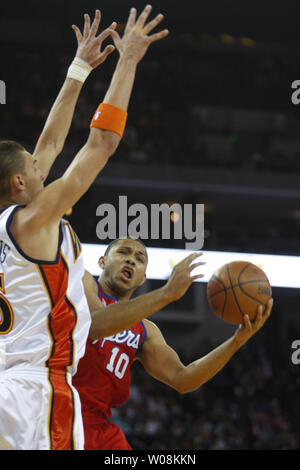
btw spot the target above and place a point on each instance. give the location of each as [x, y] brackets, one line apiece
[103, 375]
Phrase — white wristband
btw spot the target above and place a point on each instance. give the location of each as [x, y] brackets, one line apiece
[79, 70]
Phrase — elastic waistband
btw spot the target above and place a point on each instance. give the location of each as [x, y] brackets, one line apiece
[34, 372]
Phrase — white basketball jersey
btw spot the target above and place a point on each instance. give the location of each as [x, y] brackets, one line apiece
[44, 315]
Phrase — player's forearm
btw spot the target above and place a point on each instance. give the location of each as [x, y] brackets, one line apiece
[79, 176]
[120, 88]
[100, 145]
[58, 123]
[123, 315]
[202, 370]
[60, 117]
[118, 94]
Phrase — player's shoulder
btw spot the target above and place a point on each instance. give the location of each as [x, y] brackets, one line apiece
[25, 222]
[153, 338]
[151, 328]
[89, 281]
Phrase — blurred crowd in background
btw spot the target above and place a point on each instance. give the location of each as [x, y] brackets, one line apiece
[198, 102]
[251, 404]
[203, 102]
[195, 103]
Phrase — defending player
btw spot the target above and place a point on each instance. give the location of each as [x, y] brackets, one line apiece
[44, 319]
[103, 376]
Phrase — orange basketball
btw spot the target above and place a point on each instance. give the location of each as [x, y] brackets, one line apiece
[236, 289]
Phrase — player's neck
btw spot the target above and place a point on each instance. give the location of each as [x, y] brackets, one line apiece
[19, 199]
[109, 290]
[6, 203]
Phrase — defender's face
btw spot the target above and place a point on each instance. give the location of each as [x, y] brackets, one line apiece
[125, 265]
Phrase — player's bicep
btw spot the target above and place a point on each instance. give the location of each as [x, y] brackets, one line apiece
[67, 190]
[50, 204]
[45, 154]
[158, 358]
[87, 164]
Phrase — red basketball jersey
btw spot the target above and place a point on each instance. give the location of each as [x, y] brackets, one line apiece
[103, 375]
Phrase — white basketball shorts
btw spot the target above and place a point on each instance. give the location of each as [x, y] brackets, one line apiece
[39, 410]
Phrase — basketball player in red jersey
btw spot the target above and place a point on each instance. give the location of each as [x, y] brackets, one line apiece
[44, 314]
[103, 376]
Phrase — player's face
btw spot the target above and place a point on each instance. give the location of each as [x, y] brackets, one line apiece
[33, 177]
[125, 265]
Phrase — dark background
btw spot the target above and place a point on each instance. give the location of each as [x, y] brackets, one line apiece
[210, 121]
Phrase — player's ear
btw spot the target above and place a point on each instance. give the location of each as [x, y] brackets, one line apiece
[17, 182]
[101, 262]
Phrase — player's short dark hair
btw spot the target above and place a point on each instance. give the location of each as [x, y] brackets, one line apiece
[11, 162]
[111, 244]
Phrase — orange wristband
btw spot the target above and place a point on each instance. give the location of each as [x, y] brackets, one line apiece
[110, 118]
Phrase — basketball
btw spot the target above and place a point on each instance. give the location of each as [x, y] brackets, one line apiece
[236, 289]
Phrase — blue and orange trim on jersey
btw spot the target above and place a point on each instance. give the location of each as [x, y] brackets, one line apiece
[2, 209]
[102, 294]
[111, 299]
[2, 283]
[75, 240]
[29, 258]
[7, 316]
[61, 323]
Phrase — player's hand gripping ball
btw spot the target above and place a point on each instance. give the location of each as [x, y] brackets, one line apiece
[236, 289]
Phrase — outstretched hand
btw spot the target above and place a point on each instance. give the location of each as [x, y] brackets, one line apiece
[89, 45]
[181, 278]
[248, 328]
[136, 38]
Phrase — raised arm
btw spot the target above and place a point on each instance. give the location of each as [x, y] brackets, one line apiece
[103, 143]
[88, 57]
[52, 203]
[35, 227]
[123, 315]
[164, 364]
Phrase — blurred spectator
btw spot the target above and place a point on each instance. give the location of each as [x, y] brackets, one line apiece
[220, 107]
[244, 407]
[201, 106]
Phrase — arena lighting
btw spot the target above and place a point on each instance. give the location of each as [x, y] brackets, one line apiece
[226, 38]
[282, 271]
[248, 42]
